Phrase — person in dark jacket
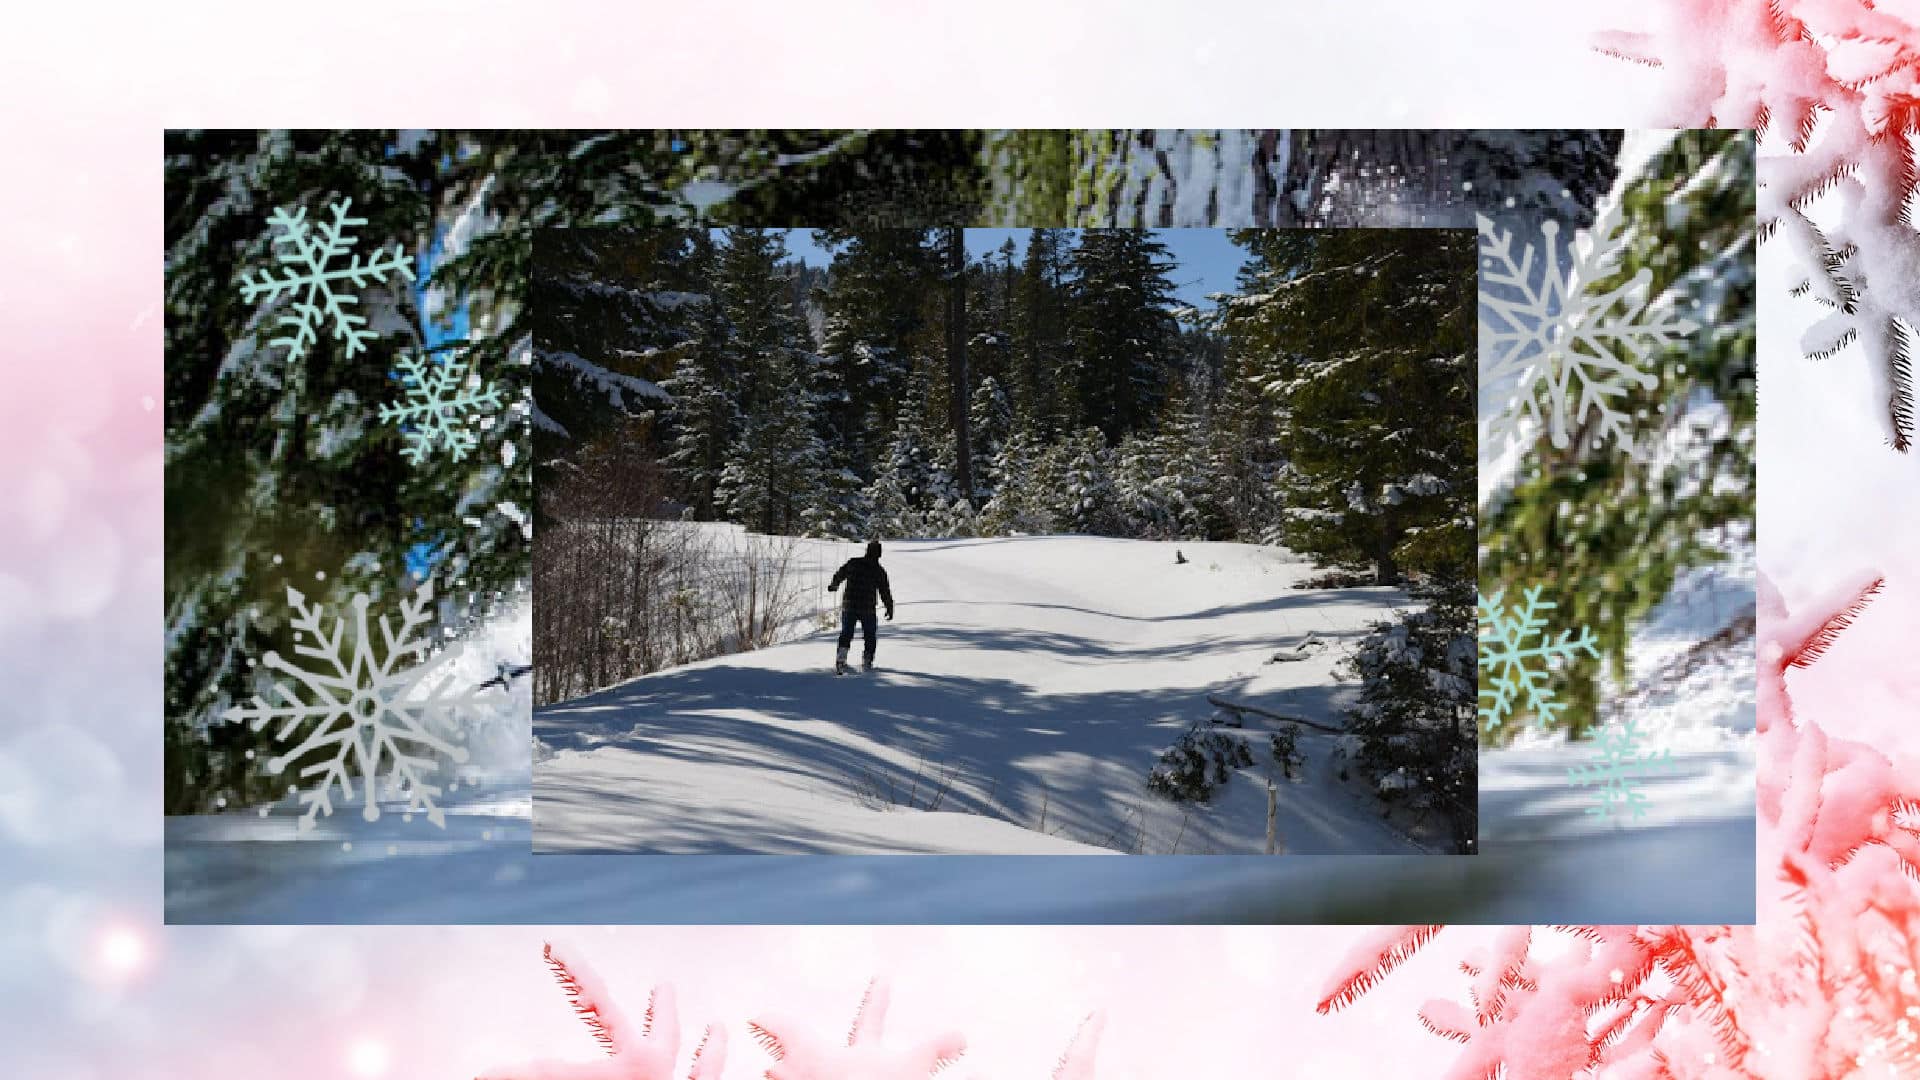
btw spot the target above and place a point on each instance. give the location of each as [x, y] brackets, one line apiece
[864, 579]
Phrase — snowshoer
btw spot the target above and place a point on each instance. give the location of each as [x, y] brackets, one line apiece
[864, 579]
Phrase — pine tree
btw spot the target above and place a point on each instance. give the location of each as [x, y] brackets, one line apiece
[612, 310]
[1042, 358]
[1616, 532]
[1023, 474]
[1414, 733]
[773, 468]
[1163, 482]
[1082, 483]
[877, 305]
[1368, 341]
[1125, 336]
[280, 469]
[1243, 455]
[904, 489]
[991, 419]
[706, 418]
[772, 481]
[959, 389]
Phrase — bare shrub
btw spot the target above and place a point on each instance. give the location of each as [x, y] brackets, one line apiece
[623, 587]
[926, 790]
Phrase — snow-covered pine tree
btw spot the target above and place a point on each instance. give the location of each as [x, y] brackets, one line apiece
[1367, 338]
[1242, 453]
[877, 307]
[1616, 532]
[908, 483]
[834, 506]
[1024, 470]
[1414, 733]
[1139, 470]
[706, 418]
[992, 422]
[270, 457]
[773, 478]
[611, 312]
[773, 469]
[1081, 483]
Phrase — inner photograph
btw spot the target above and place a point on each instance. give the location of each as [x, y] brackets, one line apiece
[1004, 541]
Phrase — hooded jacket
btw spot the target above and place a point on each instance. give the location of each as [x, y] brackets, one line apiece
[864, 578]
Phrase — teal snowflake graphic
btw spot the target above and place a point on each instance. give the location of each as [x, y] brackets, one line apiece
[306, 254]
[1616, 771]
[442, 399]
[1517, 655]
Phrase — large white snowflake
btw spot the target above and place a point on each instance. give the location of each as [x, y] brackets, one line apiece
[1516, 654]
[1554, 348]
[440, 403]
[1616, 771]
[799, 1056]
[306, 256]
[385, 715]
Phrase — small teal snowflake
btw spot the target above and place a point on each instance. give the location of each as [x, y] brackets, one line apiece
[1616, 771]
[1516, 650]
[306, 254]
[441, 401]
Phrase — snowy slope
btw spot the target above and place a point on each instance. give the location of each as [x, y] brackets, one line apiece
[1542, 859]
[1025, 690]
[1693, 702]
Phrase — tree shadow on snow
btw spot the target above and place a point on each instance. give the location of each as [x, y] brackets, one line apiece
[901, 731]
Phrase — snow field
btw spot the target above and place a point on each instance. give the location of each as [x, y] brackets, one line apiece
[1024, 691]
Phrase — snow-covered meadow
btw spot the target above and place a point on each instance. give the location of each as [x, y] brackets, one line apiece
[1024, 691]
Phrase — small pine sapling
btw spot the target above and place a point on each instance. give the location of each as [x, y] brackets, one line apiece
[1285, 753]
[1201, 760]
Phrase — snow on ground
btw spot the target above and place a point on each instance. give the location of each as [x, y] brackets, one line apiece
[1690, 862]
[1025, 690]
[1696, 704]
[245, 855]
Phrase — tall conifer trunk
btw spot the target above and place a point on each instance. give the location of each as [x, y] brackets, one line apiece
[957, 357]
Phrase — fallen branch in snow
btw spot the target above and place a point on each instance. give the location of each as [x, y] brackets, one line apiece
[1221, 703]
[1311, 644]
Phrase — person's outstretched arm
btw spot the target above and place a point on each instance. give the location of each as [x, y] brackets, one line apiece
[886, 593]
[838, 576]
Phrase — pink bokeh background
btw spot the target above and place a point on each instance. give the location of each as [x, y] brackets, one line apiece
[91, 985]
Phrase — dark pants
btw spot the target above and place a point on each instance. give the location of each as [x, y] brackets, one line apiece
[868, 624]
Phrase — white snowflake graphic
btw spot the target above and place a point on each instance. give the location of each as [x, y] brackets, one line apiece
[1616, 771]
[1556, 350]
[366, 713]
[441, 400]
[798, 1056]
[306, 256]
[1516, 651]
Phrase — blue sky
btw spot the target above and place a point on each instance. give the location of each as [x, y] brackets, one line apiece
[1206, 261]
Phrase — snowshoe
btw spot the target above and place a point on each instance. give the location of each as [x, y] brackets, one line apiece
[840, 668]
